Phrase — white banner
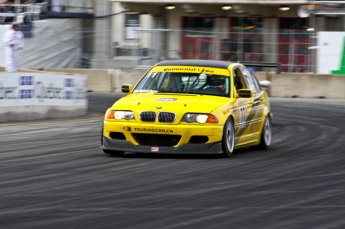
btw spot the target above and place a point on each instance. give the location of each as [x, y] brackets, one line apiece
[56, 43]
[330, 52]
[32, 89]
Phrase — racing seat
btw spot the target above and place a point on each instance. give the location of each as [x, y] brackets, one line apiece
[214, 86]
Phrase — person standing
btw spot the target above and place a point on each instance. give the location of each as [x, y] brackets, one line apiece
[14, 41]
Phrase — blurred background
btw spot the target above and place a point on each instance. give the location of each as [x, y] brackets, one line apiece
[53, 174]
[302, 35]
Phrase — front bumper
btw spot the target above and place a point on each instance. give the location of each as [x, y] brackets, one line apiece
[214, 134]
[123, 145]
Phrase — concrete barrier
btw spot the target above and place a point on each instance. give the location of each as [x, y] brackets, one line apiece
[306, 85]
[32, 96]
[105, 80]
[99, 80]
[126, 76]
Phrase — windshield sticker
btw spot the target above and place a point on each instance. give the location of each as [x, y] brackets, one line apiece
[192, 69]
[181, 69]
[166, 99]
[145, 91]
[188, 69]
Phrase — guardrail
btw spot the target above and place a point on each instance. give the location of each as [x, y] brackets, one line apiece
[19, 11]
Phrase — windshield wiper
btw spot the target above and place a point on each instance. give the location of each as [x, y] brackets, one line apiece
[195, 81]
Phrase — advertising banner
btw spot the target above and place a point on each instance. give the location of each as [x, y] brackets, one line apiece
[35, 89]
[331, 53]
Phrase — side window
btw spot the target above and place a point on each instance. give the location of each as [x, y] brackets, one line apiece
[249, 80]
[256, 82]
[238, 79]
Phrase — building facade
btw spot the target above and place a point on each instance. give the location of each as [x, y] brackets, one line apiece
[145, 32]
[140, 33]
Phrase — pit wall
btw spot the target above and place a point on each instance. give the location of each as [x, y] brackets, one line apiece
[32, 96]
[303, 85]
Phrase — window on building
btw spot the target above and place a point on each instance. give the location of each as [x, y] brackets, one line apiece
[296, 27]
[198, 23]
[245, 41]
[294, 40]
[333, 24]
[197, 37]
[132, 24]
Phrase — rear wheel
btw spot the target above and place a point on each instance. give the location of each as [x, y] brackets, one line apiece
[266, 135]
[228, 141]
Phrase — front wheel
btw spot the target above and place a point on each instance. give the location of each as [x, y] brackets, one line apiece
[228, 141]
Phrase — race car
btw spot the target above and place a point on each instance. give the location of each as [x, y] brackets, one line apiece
[190, 107]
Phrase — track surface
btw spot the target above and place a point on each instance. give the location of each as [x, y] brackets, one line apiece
[52, 175]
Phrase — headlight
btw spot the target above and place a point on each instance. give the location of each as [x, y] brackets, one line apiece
[189, 117]
[200, 118]
[118, 115]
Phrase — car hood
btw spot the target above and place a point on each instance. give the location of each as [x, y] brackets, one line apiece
[170, 102]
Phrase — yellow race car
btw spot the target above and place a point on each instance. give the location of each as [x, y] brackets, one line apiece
[190, 107]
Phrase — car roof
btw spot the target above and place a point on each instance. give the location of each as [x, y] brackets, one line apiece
[198, 63]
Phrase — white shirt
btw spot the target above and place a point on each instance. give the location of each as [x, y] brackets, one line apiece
[15, 38]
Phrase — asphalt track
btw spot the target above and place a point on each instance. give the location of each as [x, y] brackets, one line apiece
[53, 175]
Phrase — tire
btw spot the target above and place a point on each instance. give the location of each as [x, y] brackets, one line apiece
[114, 153]
[228, 141]
[266, 135]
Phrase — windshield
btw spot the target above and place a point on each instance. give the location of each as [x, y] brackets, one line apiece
[179, 82]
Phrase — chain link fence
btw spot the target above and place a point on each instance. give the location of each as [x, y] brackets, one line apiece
[293, 49]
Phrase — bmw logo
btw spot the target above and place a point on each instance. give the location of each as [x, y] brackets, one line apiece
[158, 107]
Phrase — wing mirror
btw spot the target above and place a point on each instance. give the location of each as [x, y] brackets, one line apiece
[126, 88]
[265, 83]
[245, 93]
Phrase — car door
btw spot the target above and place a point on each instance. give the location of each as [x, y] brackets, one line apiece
[261, 99]
[254, 105]
[242, 108]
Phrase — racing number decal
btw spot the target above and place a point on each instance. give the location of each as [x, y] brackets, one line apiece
[242, 117]
[250, 117]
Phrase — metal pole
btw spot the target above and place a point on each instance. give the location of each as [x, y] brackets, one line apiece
[17, 2]
[291, 51]
[311, 52]
[240, 40]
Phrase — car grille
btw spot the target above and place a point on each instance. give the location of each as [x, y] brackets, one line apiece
[157, 139]
[148, 116]
[166, 117]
